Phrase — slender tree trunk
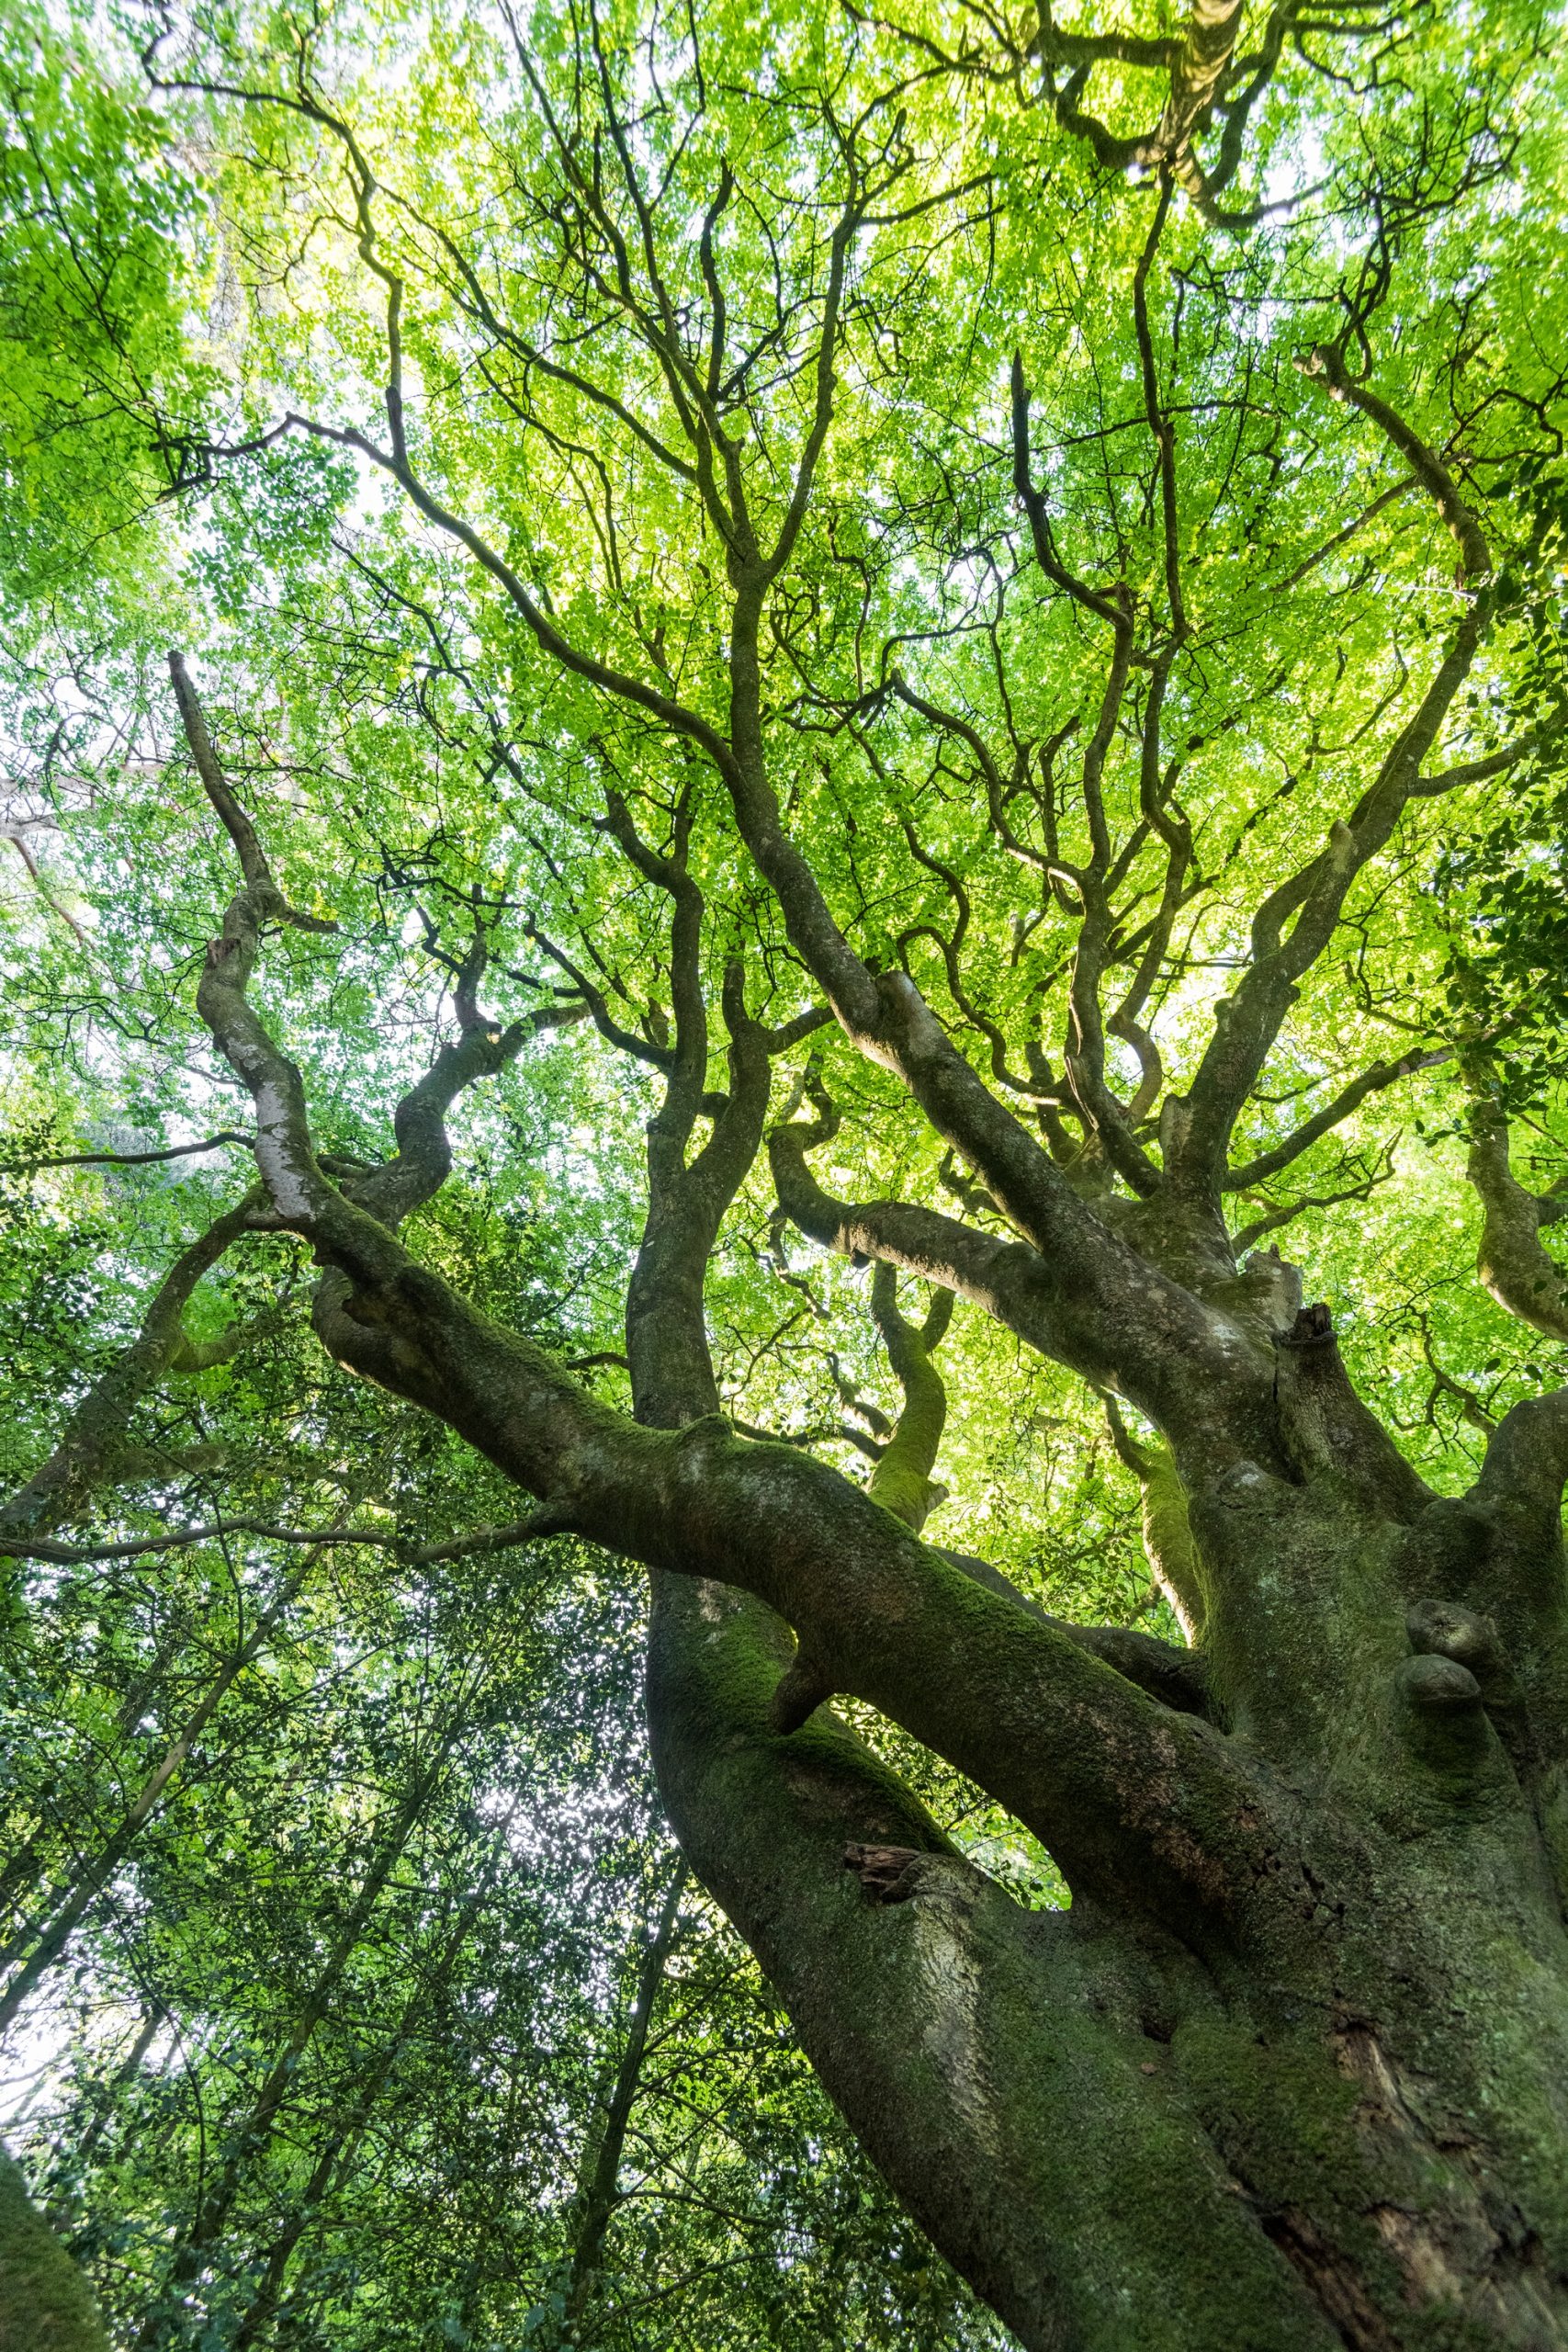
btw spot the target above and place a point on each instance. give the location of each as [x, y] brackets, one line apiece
[332, 2165]
[334, 2156]
[24, 1866]
[35, 1947]
[600, 2194]
[105, 2106]
[248, 2141]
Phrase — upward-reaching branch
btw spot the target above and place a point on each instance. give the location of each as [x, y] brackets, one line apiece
[84, 1456]
[901, 1481]
[1059, 1737]
[481, 1050]
[1519, 1273]
[1311, 900]
[253, 866]
[1093, 1304]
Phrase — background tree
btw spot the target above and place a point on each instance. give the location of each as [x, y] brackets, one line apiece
[930, 642]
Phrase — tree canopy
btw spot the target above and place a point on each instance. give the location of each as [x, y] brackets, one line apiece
[768, 772]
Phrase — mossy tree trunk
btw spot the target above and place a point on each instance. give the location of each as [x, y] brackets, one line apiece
[1293, 2072]
[44, 2302]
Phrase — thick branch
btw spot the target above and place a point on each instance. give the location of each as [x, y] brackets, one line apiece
[1167, 1532]
[667, 1345]
[1526, 1457]
[1104, 1777]
[1176, 1678]
[1512, 1263]
[1196, 76]
[1331, 1432]
[1350, 1098]
[1327, 361]
[1116, 1341]
[901, 1481]
[423, 1160]
[241, 831]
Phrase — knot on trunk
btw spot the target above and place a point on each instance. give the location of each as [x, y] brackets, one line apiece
[1445, 1545]
[1445, 1724]
[887, 1874]
[1444, 1631]
[1438, 1685]
[1313, 1327]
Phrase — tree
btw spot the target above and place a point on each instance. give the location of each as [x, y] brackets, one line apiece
[985, 606]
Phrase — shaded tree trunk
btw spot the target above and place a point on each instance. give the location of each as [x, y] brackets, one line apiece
[600, 2194]
[44, 2302]
[103, 2114]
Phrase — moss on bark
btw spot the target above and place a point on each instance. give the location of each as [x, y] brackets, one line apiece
[45, 2305]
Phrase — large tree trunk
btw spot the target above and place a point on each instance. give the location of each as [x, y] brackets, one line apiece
[1301, 2078]
[1291, 2070]
[44, 2302]
[1331, 2105]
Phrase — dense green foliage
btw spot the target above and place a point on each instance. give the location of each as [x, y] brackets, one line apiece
[409, 369]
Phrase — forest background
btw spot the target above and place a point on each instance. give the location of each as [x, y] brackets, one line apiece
[356, 1992]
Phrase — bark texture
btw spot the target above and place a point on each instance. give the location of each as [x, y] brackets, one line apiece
[44, 2302]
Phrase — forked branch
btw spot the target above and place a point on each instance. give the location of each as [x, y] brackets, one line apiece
[1114, 1784]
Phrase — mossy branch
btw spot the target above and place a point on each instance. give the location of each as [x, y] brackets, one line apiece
[91, 1447]
[902, 1479]
[1516, 1268]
